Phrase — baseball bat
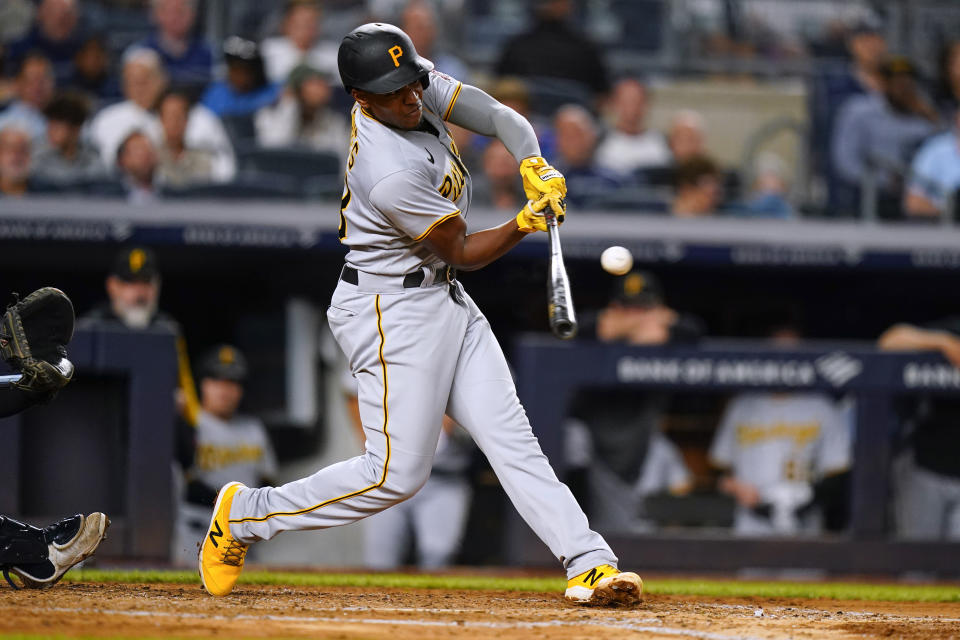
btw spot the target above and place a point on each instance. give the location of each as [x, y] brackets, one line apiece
[563, 318]
[9, 381]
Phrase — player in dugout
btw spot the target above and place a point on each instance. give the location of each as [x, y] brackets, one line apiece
[416, 342]
[34, 333]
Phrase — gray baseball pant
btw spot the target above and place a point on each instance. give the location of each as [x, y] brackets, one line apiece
[417, 353]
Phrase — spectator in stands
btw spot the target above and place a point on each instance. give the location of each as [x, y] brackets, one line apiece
[697, 188]
[16, 19]
[66, 158]
[304, 116]
[630, 145]
[246, 87]
[833, 87]
[784, 456]
[56, 35]
[687, 136]
[577, 135]
[571, 56]
[615, 434]
[228, 445]
[186, 57]
[180, 165]
[419, 21]
[14, 161]
[935, 175]
[877, 134]
[927, 480]
[144, 80]
[137, 163]
[497, 186]
[34, 89]
[768, 195]
[299, 43]
[947, 95]
[92, 74]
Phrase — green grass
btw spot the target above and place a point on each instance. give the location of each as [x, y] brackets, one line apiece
[691, 587]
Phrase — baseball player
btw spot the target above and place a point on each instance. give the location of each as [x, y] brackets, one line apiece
[417, 344]
[228, 445]
[33, 337]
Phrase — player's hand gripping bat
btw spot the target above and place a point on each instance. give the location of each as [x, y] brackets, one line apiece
[563, 318]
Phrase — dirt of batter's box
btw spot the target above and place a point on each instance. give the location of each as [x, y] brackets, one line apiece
[168, 611]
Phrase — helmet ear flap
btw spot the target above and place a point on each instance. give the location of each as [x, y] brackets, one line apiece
[425, 81]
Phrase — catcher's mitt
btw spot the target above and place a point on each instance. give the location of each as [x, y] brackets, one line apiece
[34, 333]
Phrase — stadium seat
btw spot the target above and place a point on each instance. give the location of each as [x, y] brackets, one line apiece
[297, 163]
[262, 186]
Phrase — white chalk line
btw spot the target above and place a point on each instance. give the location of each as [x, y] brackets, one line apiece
[642, 625]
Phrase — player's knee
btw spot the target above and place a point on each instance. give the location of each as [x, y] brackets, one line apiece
[408, 484]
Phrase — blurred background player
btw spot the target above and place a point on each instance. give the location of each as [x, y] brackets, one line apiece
[435, 518]
[782, 453]
[229, 445]
[927, 478]
[614, 436]
[133, 298]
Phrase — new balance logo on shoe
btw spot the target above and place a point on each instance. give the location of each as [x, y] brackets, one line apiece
[593, 577]
[216, 534]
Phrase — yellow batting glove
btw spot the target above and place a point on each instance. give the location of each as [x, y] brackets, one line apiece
[540, 178]
[531, 217]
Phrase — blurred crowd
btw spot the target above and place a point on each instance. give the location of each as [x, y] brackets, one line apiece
[261, 114]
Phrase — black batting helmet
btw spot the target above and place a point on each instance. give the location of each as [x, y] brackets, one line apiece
[380, 58]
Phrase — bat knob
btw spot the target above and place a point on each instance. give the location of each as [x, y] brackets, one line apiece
[564, 329]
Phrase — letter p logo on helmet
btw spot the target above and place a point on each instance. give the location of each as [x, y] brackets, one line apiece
[395, 52]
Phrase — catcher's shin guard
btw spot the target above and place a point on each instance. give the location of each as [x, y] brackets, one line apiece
[65, 543]
[22, 544]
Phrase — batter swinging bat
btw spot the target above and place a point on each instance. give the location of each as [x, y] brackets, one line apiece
[8, 381]
[563, 318]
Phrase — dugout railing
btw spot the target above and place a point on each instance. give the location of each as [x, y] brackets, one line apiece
[549, 372]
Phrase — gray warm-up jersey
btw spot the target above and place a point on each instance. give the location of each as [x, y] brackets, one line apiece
[401, 184]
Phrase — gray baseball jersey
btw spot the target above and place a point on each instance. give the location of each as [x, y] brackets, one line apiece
[419, 352]
[234, 450]
[395, 196]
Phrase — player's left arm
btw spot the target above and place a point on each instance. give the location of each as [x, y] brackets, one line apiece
[477, 111]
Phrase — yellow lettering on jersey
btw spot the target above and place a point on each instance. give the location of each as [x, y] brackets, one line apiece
[395, 53]
[453, 183]
[801, 433]
[211, 457]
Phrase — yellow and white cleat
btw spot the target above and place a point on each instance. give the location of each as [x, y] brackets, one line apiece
[221, 555]
[605, 586]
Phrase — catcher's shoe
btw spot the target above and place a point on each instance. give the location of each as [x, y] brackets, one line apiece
[221, 555]
[604, 585]
[69, 542]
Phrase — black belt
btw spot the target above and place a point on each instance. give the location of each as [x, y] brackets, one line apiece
[412, 280]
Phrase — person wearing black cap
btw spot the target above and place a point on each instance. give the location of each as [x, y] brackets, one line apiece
[229, 446]
[133, 292]
[616, 452]
[246, 87]
[877, 134]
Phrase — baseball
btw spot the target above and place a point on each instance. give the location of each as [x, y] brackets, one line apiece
[616, 260]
